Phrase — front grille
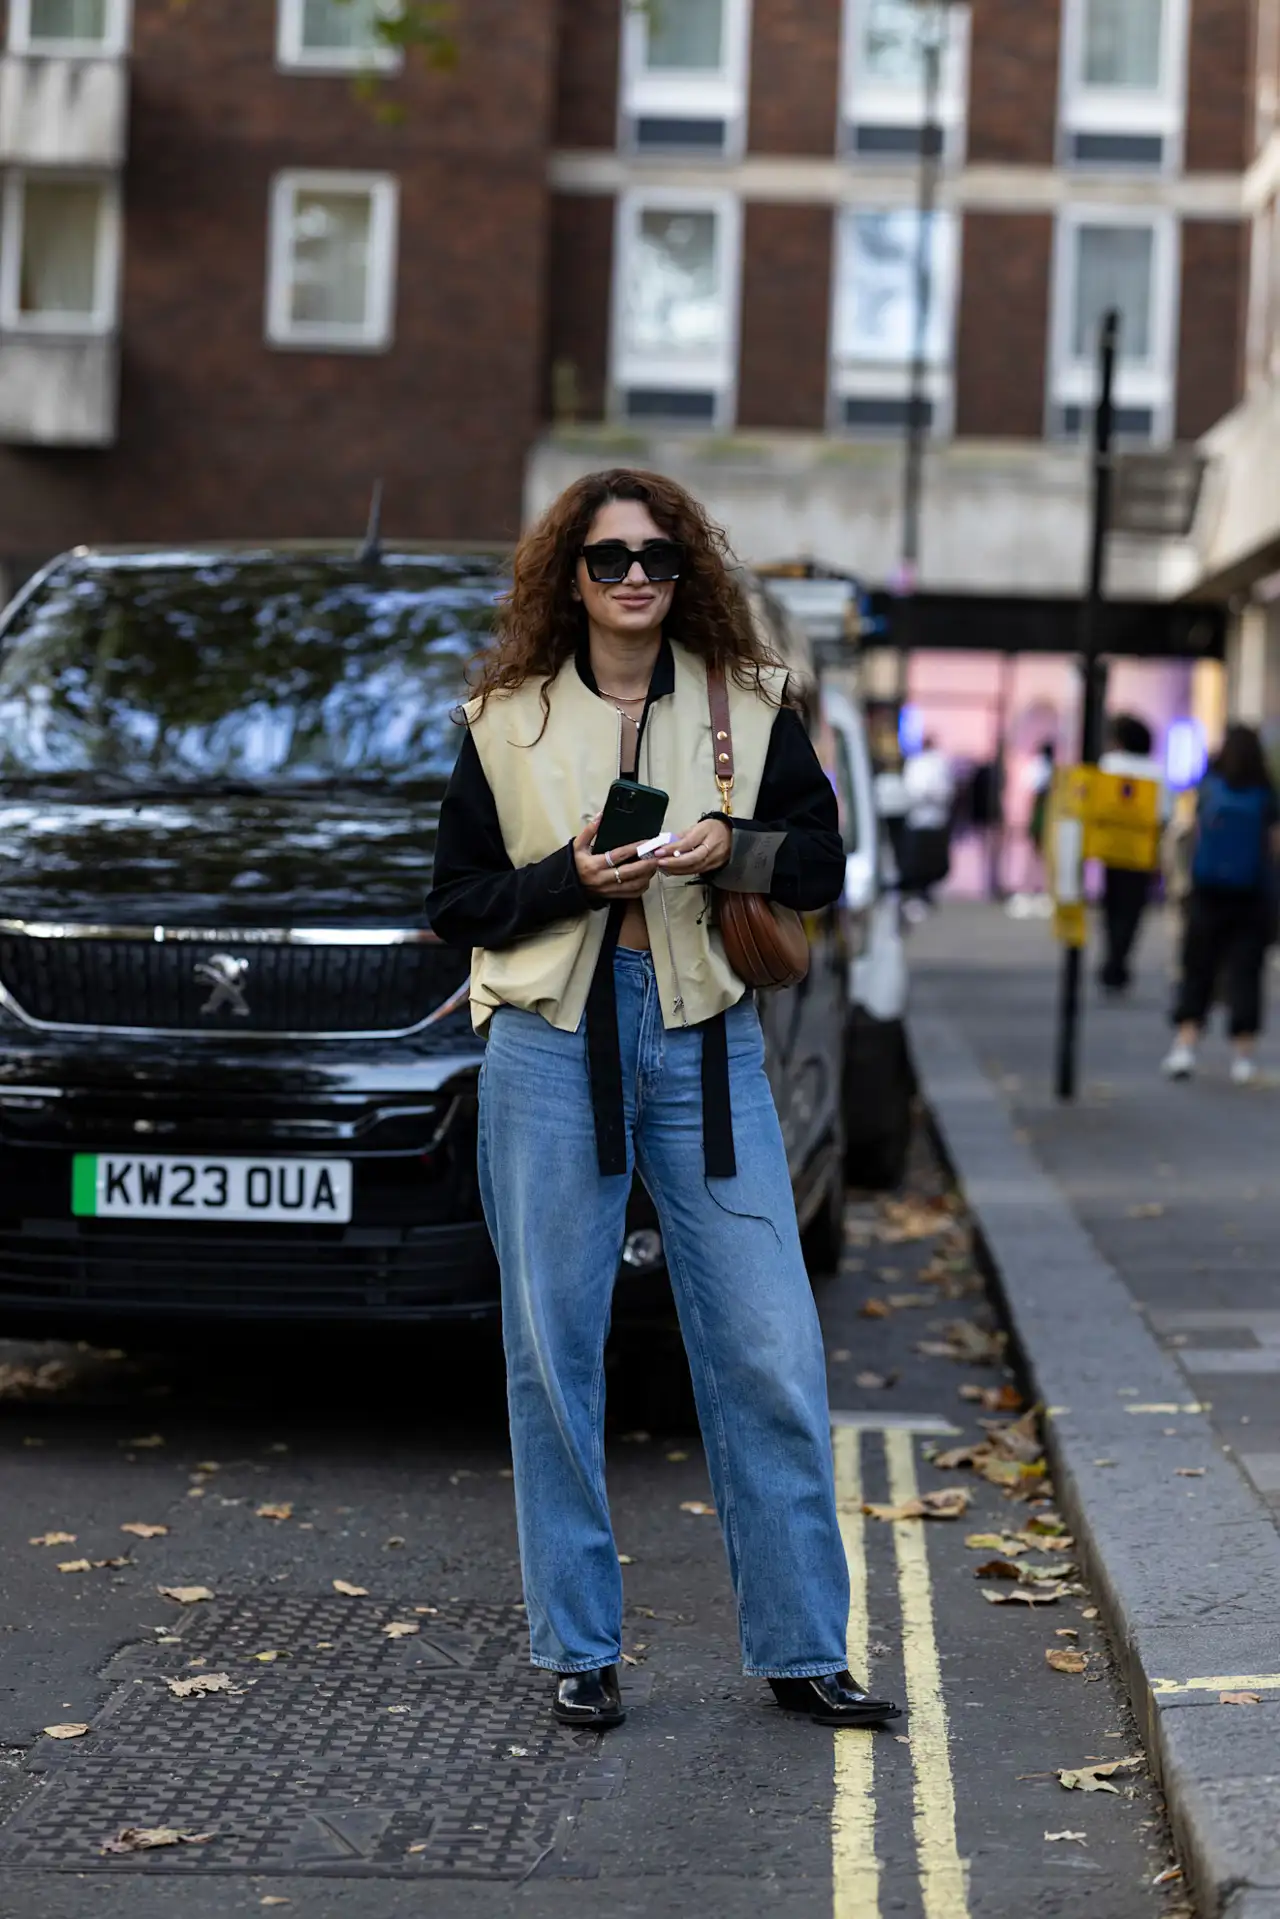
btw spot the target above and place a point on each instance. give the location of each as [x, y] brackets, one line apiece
[149, 985]
[306, 1273]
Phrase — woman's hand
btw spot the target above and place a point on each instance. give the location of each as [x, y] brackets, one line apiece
[609, 876]
[703, 849]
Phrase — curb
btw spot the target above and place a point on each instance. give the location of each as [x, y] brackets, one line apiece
[1186, 1570]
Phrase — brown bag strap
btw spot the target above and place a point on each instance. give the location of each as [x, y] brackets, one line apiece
[721, 734]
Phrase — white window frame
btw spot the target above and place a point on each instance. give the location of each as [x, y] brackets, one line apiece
[1159, 112]
[311, 336]
[853, 379]
[693, 95]
[1073, 378]
[112, 46]
[866, 100]
[293, 57]
[715, 372]
[106, 307]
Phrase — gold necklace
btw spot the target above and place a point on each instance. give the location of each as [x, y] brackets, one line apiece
[628, 699]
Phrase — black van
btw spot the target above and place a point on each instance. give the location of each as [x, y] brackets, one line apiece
[237, 1072]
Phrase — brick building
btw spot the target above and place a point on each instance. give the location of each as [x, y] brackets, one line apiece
[684, 232]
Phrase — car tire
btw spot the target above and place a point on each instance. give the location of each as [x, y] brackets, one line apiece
[879, 1098]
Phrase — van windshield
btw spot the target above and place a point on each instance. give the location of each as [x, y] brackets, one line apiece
[267, 671]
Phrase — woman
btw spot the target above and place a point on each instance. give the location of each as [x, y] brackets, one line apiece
[618, 1038]
[1230, 918]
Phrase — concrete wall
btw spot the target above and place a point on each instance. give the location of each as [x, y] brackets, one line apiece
[999, 516]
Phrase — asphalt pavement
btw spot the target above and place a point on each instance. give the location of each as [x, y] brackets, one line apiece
[345, 1768]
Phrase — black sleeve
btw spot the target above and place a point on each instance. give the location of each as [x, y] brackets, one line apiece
[477, 897]
[792, 849]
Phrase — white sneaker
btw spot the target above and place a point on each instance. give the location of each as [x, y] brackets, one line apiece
[1243, 1072]
[1179, 1062]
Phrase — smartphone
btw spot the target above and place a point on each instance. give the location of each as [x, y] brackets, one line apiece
[631, 812]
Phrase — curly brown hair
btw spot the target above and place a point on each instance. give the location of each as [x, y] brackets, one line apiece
[540, 622]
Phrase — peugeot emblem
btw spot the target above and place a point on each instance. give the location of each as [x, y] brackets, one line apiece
[226, 976]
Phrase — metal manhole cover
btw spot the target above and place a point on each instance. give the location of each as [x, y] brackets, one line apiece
[285, 1819]
[407, 1757]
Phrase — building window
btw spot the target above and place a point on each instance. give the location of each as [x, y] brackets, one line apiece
[60, 259]
[884, 74]
[675, 308]
[68, 26]
[1126, 261]
[684, 76]
[1124, 82]
[874, 329]
[332, 266]
[322, 36]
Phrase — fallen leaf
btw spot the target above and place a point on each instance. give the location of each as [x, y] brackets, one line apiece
[1149, 1209]
[396, 1539]
[625, 1559]
[1066, 1632]
[1189, 1472]
[872, 1382]
[73, 1730]
[1095, 1778]
[676, 1458]
[698, 1506]
[16, 1381]
[997, 1569]
[1027, 1596]
[517, 1752]
[427, 1609]
[1090, 1612]
[345, 1587]
[1168, 1876]
[75, 1565]
[874, 1309]
[1065, 1659]
[841, 1356]
[274, 1899]
[1079, 1837]
[267, 1658]
[185, 1595]
[950, 1503]
[915, 1218]
[420, 1847]
[1239, 1699]
[147, 1440]
[1006, 1543]
[146, 1838]
[967, 1342]
[636, 1439]
[53, 1539]
[401, 1628]
[208, 1466]
[113, 1562]
[202, 1683]
[140, 1528]
[901, 1302]
[284, 1511]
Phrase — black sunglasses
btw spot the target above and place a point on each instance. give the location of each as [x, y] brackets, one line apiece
[610, 561]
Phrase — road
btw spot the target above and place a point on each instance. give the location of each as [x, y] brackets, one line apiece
[354, 1771]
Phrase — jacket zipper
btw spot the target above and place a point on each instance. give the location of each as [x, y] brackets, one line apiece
[678, 1001]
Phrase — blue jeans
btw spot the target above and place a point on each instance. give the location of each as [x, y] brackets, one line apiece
[746, 1312]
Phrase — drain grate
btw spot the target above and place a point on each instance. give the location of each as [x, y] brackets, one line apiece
[361, 1756]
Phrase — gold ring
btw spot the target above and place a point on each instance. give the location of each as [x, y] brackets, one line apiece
[617, 875]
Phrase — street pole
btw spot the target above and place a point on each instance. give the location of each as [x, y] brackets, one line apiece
[933, 34]
[1092, 669]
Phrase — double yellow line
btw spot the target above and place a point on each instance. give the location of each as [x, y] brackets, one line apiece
[856, 1866]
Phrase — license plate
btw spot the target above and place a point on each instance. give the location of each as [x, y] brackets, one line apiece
[159, 1186]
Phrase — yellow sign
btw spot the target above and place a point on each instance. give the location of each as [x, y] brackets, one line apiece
[1120, 815]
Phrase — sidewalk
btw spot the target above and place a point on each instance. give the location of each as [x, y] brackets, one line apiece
[1177, 1185]
[1133, 1236]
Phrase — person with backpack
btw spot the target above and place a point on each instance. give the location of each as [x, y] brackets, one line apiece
[1231, 912]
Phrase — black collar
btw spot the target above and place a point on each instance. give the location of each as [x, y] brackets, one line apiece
[661, 684]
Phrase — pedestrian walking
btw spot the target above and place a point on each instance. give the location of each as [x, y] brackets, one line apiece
[1231, 912]
[619, 1038]
[1126, 894]
[1034, 902]
[930, 791]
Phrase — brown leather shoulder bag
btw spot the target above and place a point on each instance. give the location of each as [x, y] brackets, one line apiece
[765, 944]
